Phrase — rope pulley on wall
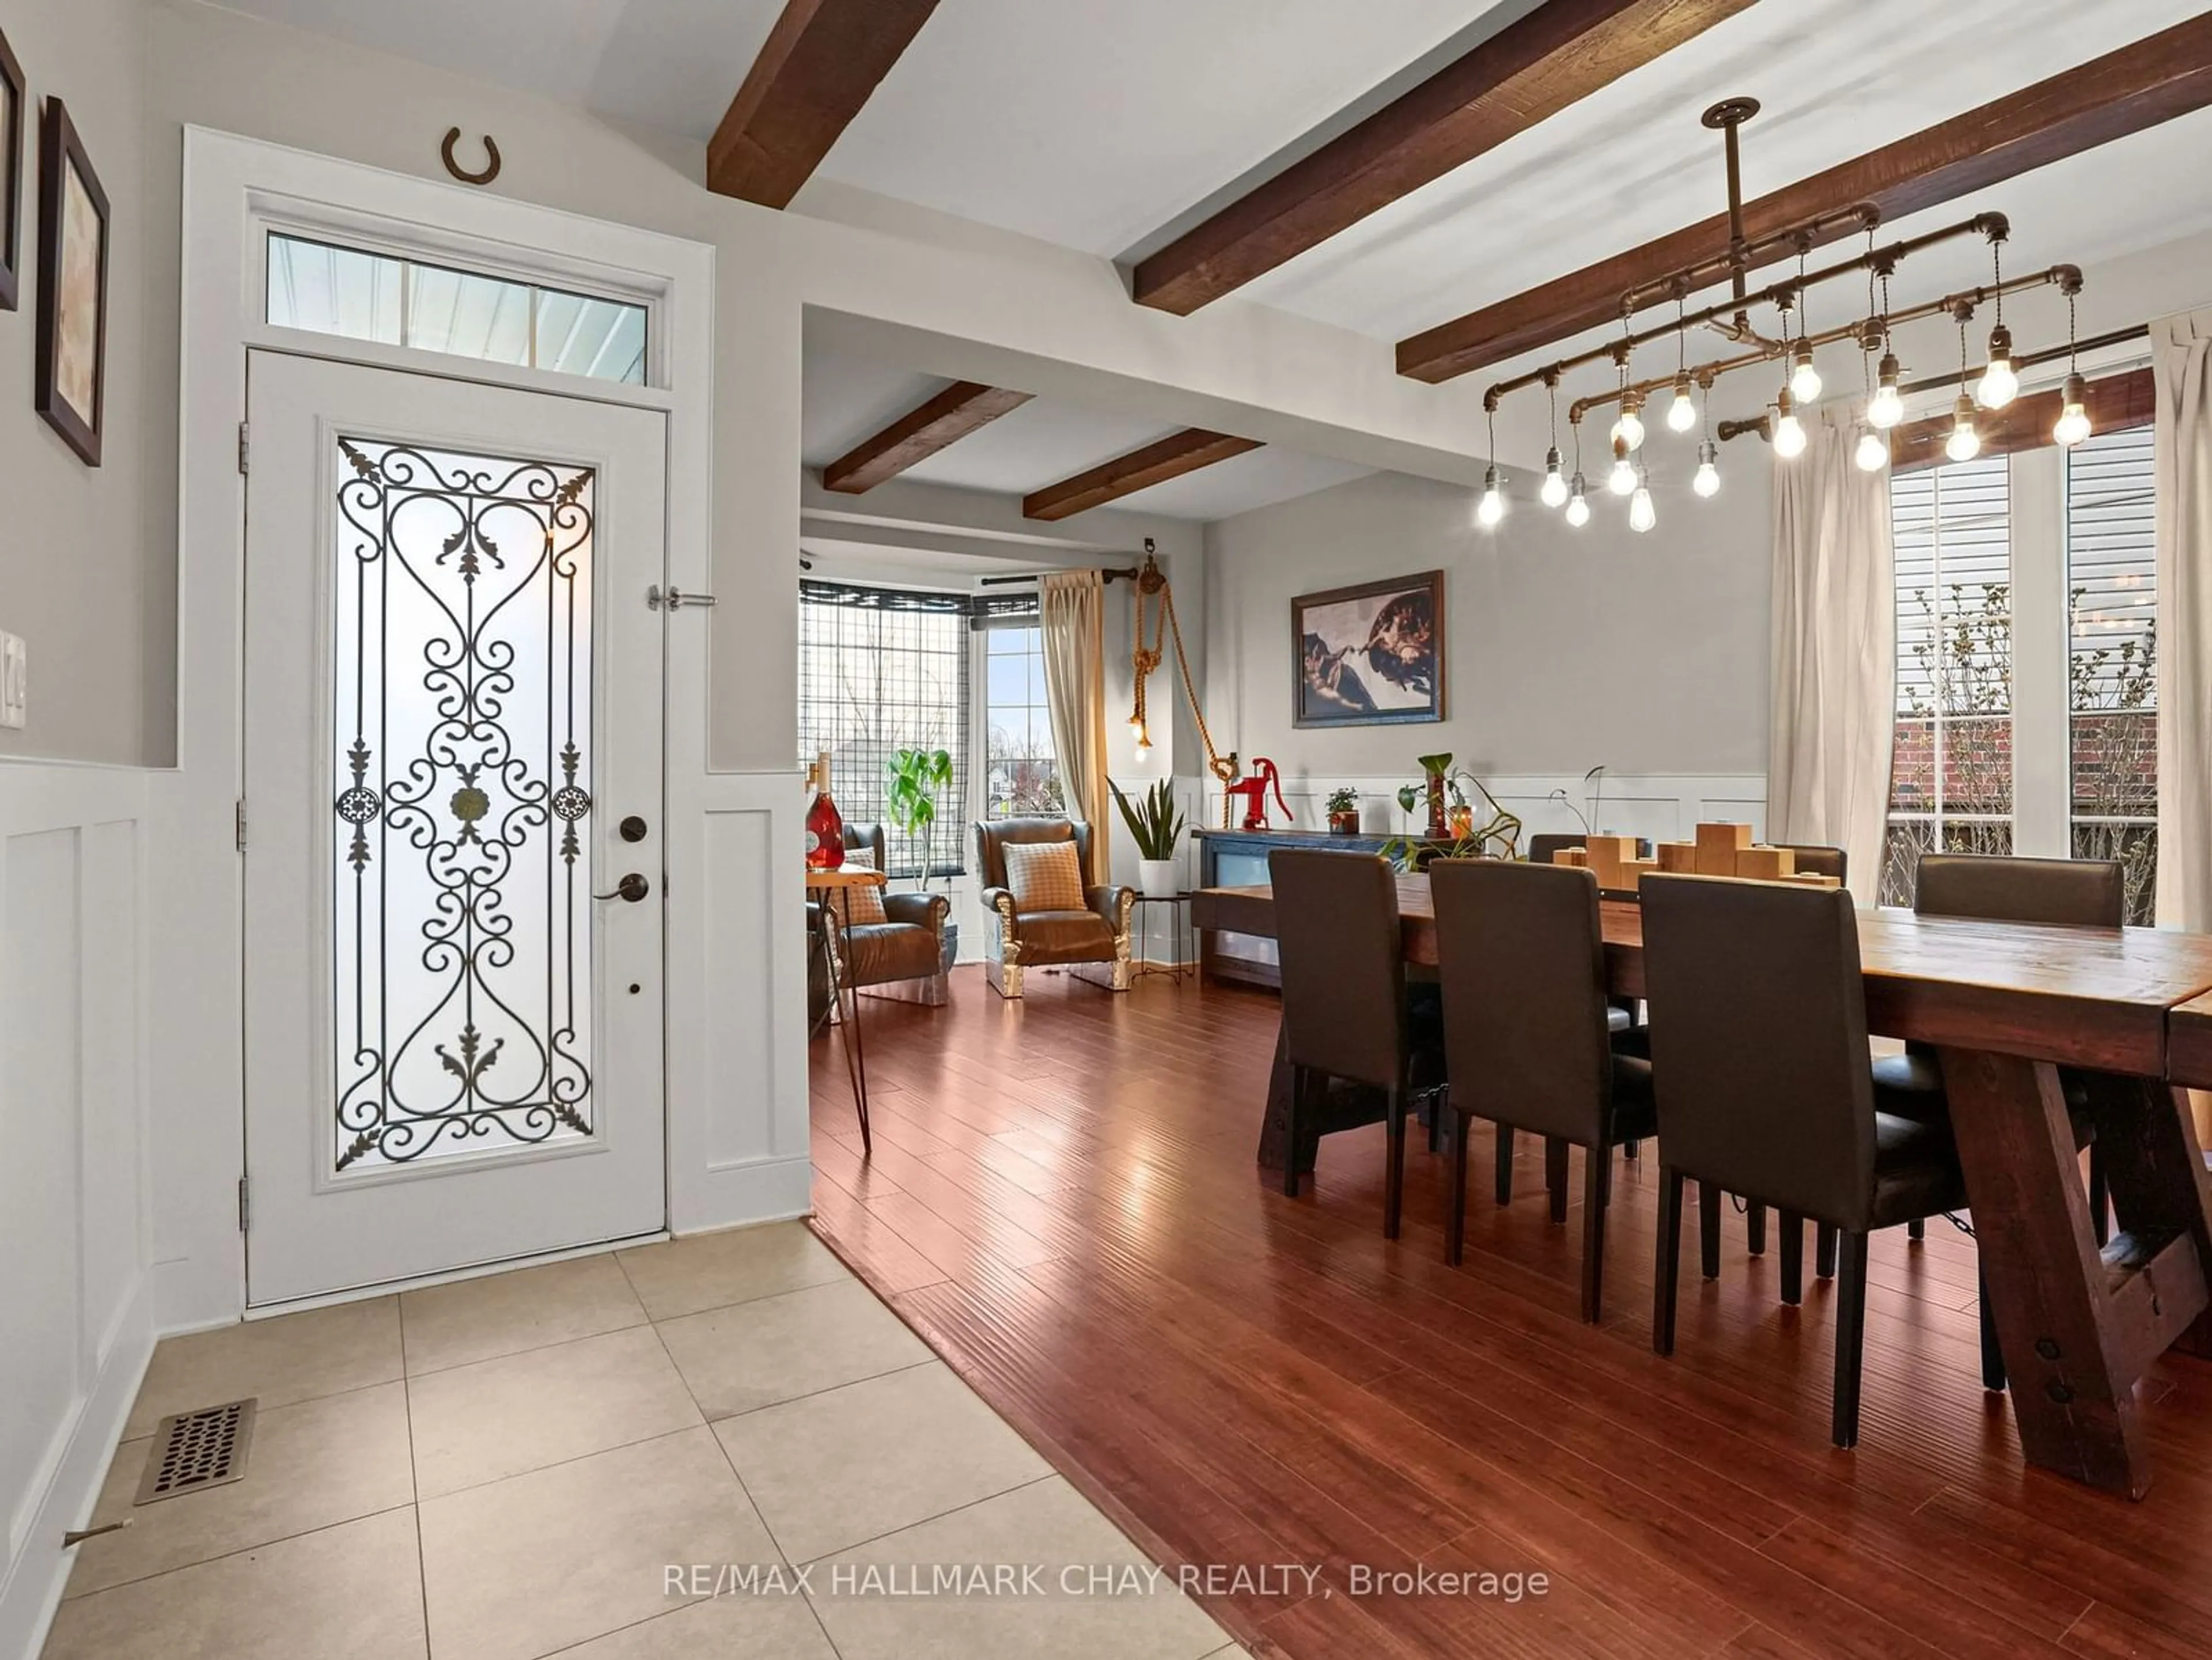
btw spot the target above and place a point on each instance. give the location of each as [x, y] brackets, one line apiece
[1152, 589]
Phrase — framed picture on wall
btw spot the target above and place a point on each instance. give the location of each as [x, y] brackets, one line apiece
[1372, 655]
[11, 175]
[72, 343]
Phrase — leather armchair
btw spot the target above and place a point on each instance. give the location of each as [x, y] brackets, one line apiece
[902, 957]
[1091, 943]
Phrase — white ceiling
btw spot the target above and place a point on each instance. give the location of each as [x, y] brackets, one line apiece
[1105, 126]
[1097, 126]
[1631, 161]
[668, 64]
[845, 400]
[1092, 125]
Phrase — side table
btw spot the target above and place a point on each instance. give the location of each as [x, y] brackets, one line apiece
[836, 888]
[1178, 906]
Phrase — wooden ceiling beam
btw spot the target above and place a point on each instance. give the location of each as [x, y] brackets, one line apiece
[2137, 87]
[1560, 53]
[816, 70]
[964, 407]
[1171, 457]
[2115, 402]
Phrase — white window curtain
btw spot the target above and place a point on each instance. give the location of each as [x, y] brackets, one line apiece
[2182, 465]
[1834, 653]
[1073, 607]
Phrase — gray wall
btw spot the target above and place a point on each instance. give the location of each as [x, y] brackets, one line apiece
[1564, 649]
[73, 578]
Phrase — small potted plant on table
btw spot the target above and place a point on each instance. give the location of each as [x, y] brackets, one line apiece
[1344, 811]
[1455, 823]
[1154, 823]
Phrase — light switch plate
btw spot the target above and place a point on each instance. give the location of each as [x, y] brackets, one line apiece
[15, 680]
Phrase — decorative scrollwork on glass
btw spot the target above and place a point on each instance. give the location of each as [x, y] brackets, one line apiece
[461, 686]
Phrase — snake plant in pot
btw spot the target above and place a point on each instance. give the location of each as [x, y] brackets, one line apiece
[1155, 825]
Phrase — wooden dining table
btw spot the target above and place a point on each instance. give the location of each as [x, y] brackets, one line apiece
[2006, 1005]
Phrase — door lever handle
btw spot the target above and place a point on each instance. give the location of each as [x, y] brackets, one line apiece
[633, 888]
[674, 599]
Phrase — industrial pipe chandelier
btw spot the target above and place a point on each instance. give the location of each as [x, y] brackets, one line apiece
[1791, 344]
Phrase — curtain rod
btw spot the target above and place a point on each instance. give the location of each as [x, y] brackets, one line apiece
[1127, 575]
[1729, 429]
[2049, 355]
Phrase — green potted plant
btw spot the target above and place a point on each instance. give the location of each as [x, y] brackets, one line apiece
[1155, 825]
[1451, 817]
[913, 778]
[1344, 811]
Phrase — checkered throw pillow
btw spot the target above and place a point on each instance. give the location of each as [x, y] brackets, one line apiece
[1044, 876]
[868, 901]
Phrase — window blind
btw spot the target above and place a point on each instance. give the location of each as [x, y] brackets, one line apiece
[881, 670]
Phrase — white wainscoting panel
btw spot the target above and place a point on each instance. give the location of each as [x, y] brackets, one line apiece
[737, 1001]
[75, 1321]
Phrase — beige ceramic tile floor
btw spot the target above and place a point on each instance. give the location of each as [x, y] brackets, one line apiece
[509, 1468]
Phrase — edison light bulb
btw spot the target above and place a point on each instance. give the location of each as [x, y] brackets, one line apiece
[1554, 492]
[1629, 430]
[2074, 414]
[1622, 479]
[1999, 383]
[1964, 443]
[1708, 479]
[1804, 379]
[1788, 431]
[1681, 414]
[1492, 506]
[1577, 505]
[1886, 408]
[1641, 517]
[1872, 454]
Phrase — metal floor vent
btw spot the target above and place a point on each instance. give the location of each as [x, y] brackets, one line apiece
[193, 1450]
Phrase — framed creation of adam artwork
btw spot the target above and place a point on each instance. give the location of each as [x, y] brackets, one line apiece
[1371, 655]
[71, 359]
[11, 175]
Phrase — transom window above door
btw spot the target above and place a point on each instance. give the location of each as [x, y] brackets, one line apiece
[365, 295]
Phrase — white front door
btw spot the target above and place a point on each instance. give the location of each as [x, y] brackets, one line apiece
[453, 727]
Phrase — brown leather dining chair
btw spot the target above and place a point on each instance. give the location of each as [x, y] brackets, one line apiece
[1345, 1012]
[1622, 1020]
[1766, 1086]
[1543, 844]
[1527, 1040]
[1812, 860]
[2089, 893]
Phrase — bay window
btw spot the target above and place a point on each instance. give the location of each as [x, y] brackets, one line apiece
[1023, 780]
[881, 670]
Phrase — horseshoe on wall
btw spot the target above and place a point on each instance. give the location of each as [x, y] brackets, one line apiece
[491, 167]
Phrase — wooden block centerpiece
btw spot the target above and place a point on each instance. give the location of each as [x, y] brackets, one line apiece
[1760, 863]
[1719, 850]
[1717, 847]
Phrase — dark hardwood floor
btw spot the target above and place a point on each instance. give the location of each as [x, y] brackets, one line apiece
[1063, 1202]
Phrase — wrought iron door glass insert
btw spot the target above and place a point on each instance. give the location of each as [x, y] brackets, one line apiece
[462, 932]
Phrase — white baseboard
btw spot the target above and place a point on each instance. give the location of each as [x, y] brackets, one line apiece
[740, 1193]
[39, 1572]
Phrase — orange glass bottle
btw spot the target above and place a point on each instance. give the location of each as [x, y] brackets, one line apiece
[825, 830]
